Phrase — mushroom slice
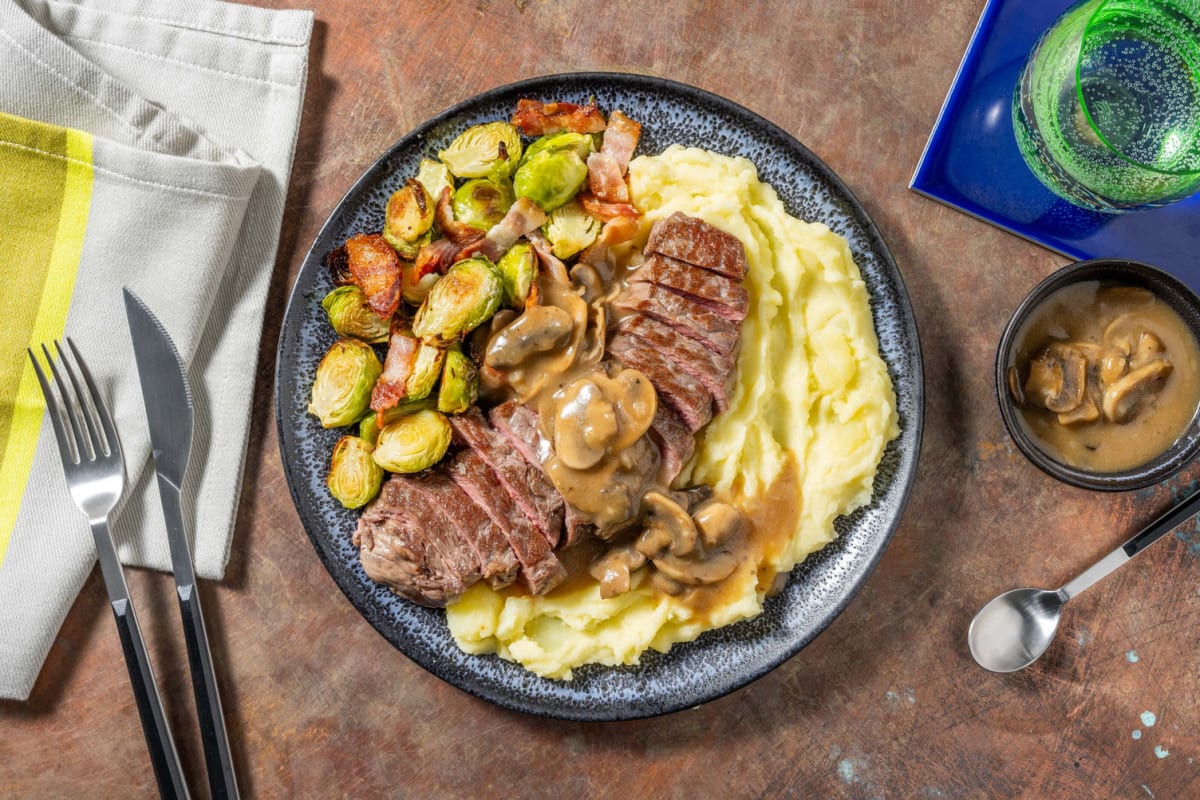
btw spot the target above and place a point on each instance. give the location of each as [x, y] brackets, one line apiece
[1058, 377]
[713, 568]
[1123, 399]
[669, 528]
[1113, 365]
[1149, 347]
[1087, 411]
[613, 570]
[666, 585]
[720, 522]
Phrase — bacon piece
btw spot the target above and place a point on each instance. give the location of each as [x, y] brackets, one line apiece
[616, 230]
[620, 139]
[375, 268]
[534, 118]
[397, 367]
[460, 233]
[601, 209]
[522, 217]
[545, 253]
[605, 179]
[437, 256]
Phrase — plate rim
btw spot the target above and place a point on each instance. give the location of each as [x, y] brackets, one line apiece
[906, 474]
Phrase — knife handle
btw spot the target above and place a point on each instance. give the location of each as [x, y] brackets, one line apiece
[163, 756]
[221, 778]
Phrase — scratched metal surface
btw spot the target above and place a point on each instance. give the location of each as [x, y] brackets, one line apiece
[885, 703]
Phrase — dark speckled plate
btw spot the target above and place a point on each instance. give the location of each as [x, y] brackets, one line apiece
[719, 661]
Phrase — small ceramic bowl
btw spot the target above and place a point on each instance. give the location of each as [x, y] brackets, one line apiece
[1131, 273]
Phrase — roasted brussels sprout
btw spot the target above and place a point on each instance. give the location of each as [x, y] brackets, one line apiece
[468, 294]
[414, 442]
[427, 368]
[369, 426]
[408, 218]
[341, 391]
[433, 175]
[481, 203]
[414, 286]
[581, 144]
[354, 477]
[518, 268]
[460, 382]
[350, 315]
[550, 178]
[570, 229]
[488, 150]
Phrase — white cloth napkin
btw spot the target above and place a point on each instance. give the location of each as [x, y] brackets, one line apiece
[180, 120]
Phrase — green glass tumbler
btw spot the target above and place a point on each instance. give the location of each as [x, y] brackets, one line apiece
[1107, 110]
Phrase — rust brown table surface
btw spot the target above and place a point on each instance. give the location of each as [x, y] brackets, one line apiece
[887, 701]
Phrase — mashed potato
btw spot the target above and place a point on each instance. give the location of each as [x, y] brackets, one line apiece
[811, 414]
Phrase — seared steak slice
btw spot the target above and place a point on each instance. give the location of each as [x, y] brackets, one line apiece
[675, 443]
[685, 314]
[696, 242]
[528, 485]
[683, 393]
[719, 292]
[663, 337]
[519, 424]
[539, 566]
[719, 385]
[497, 562]
[406, 544]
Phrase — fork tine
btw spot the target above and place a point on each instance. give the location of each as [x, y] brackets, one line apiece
[87, 406]
[71, 406]
[112, 441]
[65, 445]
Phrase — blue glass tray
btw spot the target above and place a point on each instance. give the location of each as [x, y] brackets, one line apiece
[971, 161]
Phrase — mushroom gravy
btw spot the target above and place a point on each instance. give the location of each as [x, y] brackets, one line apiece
[1105, 377]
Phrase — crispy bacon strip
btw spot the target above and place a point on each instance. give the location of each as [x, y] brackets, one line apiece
[617, 230]
[374, 267]
[551, 262]
[534, 118]
[605, 210]
[437, 256]
[460, 233]
[522, 217]
[397, 367]
[605, 179]
[620, 139]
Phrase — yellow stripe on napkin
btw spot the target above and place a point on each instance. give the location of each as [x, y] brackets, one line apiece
[45, 197]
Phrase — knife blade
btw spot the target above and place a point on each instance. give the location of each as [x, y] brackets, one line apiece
[169, 411]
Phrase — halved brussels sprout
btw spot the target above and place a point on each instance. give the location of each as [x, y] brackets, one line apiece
[467, 295]
[427, 368]
[414, 442]
[354, 477]
[491, 149]
[481, 203]
[550, 178]
[414, 287]
[518, 268]
[582, 144]
[460, 382]
[434, 176]
[350, 315]
[369, 426]
[408, 218]
[341, 391]
[570, 229]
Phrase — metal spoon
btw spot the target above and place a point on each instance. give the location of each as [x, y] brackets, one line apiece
[1014, 629]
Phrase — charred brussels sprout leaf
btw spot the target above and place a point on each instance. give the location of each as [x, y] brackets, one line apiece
[481, 203]
[570, 229]
[408, 218]
[581, 144]
[354, 477]
[434, 176]
[467, 295]
[460, 382]
[426, 369]
[488, 150]
[350, 315]
[517, 268]
[414, 442]
[550, 178]
[341, 392]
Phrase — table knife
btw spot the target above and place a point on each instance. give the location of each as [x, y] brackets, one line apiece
[168, 400]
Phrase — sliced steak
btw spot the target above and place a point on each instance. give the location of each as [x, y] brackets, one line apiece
[519, 424]
[540, 568]
[661, 336]
[406, 544]
[696, 242]
[497, 561]
[721, 293]
[683, 393]
[718, 384]
[675, 443]
[685, 314]
[528, 485]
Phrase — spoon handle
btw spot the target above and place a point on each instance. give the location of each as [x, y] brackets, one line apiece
[1148, 535]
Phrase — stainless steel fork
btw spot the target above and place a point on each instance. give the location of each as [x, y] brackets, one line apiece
[95, 470]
